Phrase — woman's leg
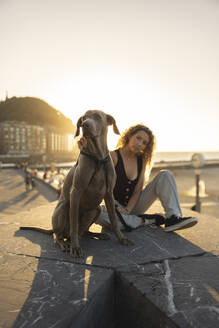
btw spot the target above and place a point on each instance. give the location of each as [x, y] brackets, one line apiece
[162, 187]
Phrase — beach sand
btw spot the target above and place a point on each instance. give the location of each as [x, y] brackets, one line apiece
[209, 189]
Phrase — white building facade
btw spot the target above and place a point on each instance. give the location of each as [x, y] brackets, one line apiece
[19, 140]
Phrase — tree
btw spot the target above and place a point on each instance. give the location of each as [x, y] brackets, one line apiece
[34, 111]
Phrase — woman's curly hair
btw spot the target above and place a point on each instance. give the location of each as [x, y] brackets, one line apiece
[149, 149]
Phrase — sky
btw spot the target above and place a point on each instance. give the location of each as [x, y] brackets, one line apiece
[143, 61]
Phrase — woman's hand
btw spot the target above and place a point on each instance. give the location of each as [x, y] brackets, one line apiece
[81, 143]
[122, 210]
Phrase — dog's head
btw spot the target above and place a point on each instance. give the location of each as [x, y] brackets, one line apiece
[94, 123]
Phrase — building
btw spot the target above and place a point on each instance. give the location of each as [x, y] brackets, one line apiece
[59, 146]
[21, 141]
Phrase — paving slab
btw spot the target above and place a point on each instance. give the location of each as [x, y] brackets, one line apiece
[173, 276]
[14, 198]
[204, 234]
[41, 292]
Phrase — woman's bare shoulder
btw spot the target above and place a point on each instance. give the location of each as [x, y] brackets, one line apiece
[114, 157]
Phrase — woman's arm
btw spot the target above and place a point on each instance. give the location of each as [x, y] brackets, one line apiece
[114, 157]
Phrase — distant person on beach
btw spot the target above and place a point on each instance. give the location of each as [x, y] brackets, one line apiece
[133, 162]
[32, 181]
[27, 180]
[45, 175]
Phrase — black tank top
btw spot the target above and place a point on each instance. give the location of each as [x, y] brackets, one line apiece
[124, 187]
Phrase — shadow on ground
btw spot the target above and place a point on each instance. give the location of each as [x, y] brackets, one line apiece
[162, 281]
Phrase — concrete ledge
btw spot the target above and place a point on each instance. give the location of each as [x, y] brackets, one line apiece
[64, 294]
[164, 280]
[135, 309]
[174, 293]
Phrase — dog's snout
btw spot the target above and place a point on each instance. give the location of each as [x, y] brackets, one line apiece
[90, 126]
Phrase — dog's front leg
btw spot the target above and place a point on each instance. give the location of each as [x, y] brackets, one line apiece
[75, 249]
[110, 205]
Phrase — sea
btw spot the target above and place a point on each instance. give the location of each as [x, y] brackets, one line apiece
[160, 157]
[183, 156]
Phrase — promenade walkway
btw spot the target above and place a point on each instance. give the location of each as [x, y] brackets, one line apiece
[13, 196]
[163, 280]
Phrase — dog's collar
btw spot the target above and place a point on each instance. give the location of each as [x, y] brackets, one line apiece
[95, 159]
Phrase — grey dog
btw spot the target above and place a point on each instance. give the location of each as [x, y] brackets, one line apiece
[90, 181]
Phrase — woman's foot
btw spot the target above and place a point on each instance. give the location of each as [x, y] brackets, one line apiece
[176, 223]
[152, 219]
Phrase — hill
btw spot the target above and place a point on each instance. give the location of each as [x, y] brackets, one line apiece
[34, 111]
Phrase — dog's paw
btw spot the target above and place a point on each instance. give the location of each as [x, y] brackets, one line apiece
[126, 242]
[76, 252]
[63, 245]
[65, 248]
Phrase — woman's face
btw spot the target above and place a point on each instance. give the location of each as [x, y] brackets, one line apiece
[138, 142]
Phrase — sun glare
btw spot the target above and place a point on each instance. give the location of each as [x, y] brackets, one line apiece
[130, 102]
[124, 101]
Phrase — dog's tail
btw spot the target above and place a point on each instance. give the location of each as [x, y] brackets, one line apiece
[46, 231]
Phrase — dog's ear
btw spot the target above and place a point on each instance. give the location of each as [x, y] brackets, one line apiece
[111, 121]
[79, 122]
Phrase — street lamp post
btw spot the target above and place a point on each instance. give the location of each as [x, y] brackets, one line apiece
[198, 162]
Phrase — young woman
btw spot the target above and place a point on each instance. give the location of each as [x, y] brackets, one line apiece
[132, 160]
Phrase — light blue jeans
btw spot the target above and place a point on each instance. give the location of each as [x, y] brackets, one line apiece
[162, 187]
